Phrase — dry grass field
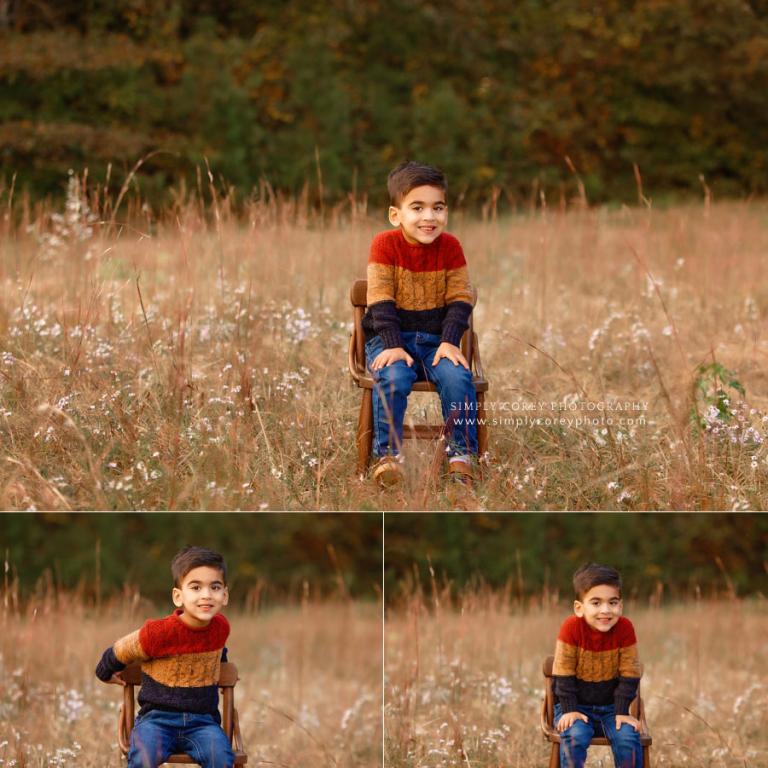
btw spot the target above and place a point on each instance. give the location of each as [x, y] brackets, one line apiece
[198, 361]
[463, 683]
[309, 693]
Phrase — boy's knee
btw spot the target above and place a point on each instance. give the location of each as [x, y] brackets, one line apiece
[627, 735]
[579, 732]
[397, 376]
[454, 375]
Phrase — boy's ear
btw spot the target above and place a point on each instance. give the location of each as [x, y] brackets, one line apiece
[578, 608]
[176, 597]
[394, 216]
[225, 601]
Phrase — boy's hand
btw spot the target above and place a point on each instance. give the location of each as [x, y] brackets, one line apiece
[450, 352]
[569, 718]
[629, 720]
[117, 680]
[389, 356]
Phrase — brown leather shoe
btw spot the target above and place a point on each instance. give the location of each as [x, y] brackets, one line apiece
[460, 472]
[387, 471]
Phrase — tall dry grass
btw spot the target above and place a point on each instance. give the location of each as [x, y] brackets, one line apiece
[198, 360]
[463, 685]
[309, 690]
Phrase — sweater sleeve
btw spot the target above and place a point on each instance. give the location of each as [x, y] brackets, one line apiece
[629, 672]
[381, 293]
[118, 656]
[564, 668]
[459, 295]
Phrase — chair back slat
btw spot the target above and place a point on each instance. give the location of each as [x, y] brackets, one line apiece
[358, 294]
[549, 691]
[132, 674]
[227, 675]
[227, 706]
[359, 340]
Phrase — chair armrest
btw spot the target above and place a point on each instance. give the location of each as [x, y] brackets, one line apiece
[237, 737]
[477, 363]
[353, 369]
[123, 734]
[546, 727]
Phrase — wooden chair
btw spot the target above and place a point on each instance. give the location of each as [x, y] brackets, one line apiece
[361, 376]
[636, 709]
[229, 719]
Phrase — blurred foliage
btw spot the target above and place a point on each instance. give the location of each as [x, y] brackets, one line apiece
[274, 552]
[496, 93]
[535, 552]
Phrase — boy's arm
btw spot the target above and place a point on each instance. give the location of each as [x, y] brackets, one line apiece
[629, 676]
[118, 656]
[564, 674]
[458, 295]
[381, 296]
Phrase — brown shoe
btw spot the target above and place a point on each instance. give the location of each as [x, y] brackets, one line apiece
[387, 471]
[460, 472]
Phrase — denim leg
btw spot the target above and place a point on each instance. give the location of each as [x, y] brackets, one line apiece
[625, 743]
[204, 741]
[458, 401]
[574, 742]
[392, 385]
[152, 739]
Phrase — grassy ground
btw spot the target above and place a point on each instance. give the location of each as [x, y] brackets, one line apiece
[309, 693]
[199, 362]
[464, 685]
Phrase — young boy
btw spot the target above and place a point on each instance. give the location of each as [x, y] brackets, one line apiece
[596, 672]
[181, 657]
[419, 302]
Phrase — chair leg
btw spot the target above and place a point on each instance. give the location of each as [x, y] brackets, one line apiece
[364, 432]
[646, 756]
[554, 758]
[482, 427]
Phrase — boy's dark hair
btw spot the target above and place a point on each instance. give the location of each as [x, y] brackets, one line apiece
[593, 575]
[409, 175]
[194, 557]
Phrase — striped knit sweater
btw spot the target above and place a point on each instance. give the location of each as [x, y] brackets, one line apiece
[593, 667]
[180, 664]
[417, 288]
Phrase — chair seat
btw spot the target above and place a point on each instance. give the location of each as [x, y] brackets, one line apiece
[481, 385]
[240, 759]
[600, 741]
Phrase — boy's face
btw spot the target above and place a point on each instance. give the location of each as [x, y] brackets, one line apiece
[601, 607]
[422, 215]
[202, 595]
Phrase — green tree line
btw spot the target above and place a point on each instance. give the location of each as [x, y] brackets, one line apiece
[335, 554]
[334, 93]
[685, 553]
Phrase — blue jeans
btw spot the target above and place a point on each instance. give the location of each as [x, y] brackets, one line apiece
[393, 384]
[157, 735]
[574, 741]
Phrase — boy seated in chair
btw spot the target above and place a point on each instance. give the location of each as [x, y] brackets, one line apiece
[596, 672]
[181, 657]
[419, 303]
